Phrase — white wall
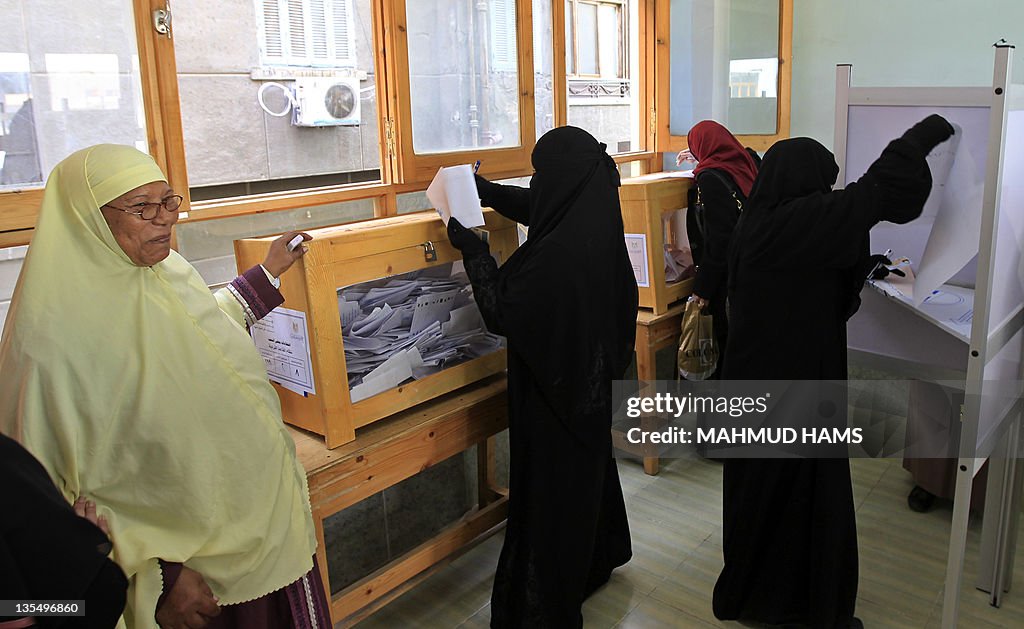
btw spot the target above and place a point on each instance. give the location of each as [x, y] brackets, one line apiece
[942, 43]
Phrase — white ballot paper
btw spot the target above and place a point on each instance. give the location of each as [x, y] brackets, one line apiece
[282, 342]
[953, 241]
[453, 193]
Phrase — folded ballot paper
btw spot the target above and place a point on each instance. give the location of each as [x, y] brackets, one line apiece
[408, 327]
[453, 193]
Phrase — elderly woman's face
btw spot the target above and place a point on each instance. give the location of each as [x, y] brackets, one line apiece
[144, 242]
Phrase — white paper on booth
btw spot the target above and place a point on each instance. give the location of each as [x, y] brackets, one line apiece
[954, 237]
[636, 246]
[282, 342]
[453, 193]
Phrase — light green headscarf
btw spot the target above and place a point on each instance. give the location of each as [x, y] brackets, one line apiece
[138, 392]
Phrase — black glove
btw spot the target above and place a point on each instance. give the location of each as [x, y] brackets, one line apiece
[877, 267]
[484, 188]
[929, 133]
[465, 240]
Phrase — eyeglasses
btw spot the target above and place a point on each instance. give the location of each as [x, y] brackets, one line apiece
[148, 211]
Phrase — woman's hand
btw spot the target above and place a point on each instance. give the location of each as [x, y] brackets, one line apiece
[189, 605]
[701, 302]
[465, 240]
[87, 509]
[279, 259]
[685, 156]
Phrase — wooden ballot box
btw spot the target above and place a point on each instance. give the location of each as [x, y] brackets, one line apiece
[653, 215]
[370, 253]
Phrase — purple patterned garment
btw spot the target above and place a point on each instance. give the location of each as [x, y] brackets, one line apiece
[301, 605]
[256, 294]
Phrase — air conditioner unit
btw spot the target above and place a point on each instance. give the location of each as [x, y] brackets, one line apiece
[326, 102]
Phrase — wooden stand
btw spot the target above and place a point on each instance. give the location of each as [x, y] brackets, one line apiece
[391, 451]
[653, 332]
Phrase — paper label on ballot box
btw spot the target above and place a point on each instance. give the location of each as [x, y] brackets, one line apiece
[636, 246]
[283, 343]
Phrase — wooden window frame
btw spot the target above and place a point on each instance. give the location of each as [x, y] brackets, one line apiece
[402, 171]
[668, 143]
[496, 162]
[644, 82]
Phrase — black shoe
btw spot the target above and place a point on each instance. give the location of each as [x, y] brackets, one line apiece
[920, 500]
[856, 623]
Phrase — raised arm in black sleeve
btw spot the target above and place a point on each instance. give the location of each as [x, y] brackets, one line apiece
[720, 216]
[482, 270]
[512, 202]
[897, 184]
[830, 229]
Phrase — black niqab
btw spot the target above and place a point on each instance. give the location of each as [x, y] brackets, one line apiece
[789, 529]
[566, 300]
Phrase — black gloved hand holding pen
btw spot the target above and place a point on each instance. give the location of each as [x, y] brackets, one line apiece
[465, 240]
[877, 267]
[484, 188]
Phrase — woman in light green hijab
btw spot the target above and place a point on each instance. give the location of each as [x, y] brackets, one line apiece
[141, 391]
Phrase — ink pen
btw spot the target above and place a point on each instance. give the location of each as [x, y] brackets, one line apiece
[476, 166]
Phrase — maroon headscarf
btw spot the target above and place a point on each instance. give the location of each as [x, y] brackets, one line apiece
[715, 147]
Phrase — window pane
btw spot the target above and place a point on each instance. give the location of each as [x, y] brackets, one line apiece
[276, 95]
[463, 74]
[409, 202]
[609, 106]
[543, 68]
[724, 64]
[11, 260]
[65, 83]
[209, 245]
[610, 41]
[570, 42]
[587, 42]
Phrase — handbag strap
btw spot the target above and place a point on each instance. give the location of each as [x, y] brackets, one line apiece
[729, 186]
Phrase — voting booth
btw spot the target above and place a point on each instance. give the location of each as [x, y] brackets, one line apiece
[961, 319]
[378, 317]
[654, 217]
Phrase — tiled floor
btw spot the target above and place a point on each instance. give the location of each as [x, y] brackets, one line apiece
[675, 519]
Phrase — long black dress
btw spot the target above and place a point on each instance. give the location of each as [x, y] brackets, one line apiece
[47, 552]
[721, 198]
[790, 538]
[566, 301]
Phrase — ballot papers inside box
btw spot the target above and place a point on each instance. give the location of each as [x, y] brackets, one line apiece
[390, 319]
[410, 327]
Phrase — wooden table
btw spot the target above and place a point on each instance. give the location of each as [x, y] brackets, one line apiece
[390, 451]
[653, 332]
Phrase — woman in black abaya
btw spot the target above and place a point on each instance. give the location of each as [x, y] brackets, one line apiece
[796, 267]
[566, 301]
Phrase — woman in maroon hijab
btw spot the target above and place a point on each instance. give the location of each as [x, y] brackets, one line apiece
[724, 174]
